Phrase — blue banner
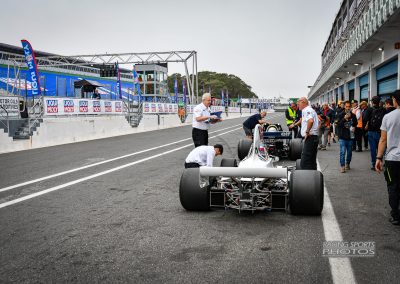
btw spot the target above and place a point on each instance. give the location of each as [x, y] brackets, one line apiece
[184, 91]
[119, 88]
[32, 67]
[176, 90]
[222, 98]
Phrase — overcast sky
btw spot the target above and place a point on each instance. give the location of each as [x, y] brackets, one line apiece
[275, 46]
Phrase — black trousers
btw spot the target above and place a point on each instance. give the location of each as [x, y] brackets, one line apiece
[392, 176]
[200, 137]
[358, 136]
[365, 137]
[309, 153]
[191, 165]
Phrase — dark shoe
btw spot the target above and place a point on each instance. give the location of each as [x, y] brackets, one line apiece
[372, 168]
[329, 144]
[358, 150]
[347, 167]
[394, 221]
[366, 148]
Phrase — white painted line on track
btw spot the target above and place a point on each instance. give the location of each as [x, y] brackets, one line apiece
[102, 162]
[30, 196]
[341, 269]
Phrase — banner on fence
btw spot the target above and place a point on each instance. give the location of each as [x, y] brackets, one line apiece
[69, 106]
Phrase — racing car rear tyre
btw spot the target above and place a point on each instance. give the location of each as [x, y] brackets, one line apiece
[306, 192]
[298, 164]
[244, 148]
[192, 196]
[295, 149]
[227, 162]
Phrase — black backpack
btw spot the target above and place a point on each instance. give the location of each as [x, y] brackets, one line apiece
[376, 119]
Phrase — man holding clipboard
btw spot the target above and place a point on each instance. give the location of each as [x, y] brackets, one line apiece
[202, 118]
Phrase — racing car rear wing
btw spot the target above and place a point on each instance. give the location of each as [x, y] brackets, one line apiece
[278, 135]
[244, 172]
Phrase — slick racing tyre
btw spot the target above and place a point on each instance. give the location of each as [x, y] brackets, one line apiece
[227, 162]
[244, 148]
[192, 196]
[306, 192]
[298, 164]
[295, 148]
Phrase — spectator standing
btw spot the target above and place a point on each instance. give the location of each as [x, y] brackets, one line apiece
[309, 131]
[358, 130]
[201, 121]
[324, 127]
[290, 114]
[389, 106]
[346, 123]
[366, 112]
[373, 127]
[338, 111]
[390, 141]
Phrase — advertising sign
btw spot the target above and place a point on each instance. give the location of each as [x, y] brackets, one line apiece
[9, 104]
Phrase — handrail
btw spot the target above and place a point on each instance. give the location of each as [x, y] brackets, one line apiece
[34, 117]
[8, 120]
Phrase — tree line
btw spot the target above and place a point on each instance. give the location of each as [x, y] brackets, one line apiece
[215, 82]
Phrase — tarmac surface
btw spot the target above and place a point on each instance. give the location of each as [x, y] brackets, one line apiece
[121, 221]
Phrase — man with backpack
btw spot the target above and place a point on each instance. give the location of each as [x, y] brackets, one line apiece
[373, 126]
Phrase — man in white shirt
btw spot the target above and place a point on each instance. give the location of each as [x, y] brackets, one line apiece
[309, 131]
[389, 143]
[201, 121]
[203, 156]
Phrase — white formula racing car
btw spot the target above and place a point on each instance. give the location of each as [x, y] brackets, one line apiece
[254, 184]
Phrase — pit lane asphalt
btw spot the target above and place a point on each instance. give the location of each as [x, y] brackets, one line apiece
[128, 226]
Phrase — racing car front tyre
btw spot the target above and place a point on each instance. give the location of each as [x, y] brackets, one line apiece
[192, 196]
[295, 149]
[244, 148]
[227, 162]
[306, 192]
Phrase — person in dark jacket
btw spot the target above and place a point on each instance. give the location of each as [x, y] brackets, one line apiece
[338, 111]
[252, 121]
[374, 128]
[347, 122]
[389, 106]
[366, 116]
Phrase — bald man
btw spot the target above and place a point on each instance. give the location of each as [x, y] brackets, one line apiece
[309, 132]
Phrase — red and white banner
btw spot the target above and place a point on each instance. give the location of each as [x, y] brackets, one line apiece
[69, 106]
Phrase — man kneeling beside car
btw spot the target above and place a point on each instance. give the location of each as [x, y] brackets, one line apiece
[203, 156]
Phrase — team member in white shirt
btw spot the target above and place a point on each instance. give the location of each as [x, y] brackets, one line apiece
[201, 121]
[203, 156]
[309, 131]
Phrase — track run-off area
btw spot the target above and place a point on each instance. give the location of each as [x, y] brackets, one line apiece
[108, 210]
